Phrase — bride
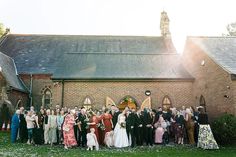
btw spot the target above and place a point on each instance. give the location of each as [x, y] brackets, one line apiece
[120, 134]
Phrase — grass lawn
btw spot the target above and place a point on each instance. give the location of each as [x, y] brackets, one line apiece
[24, 150]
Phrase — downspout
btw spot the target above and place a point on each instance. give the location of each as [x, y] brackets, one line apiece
[31, 89]
[62, 94]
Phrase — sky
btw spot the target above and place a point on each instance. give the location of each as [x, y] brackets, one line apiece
[118, 17]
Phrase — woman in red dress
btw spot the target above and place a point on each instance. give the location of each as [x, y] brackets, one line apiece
[93, 123]
[107, 121]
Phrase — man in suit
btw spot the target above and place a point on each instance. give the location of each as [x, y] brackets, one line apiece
[82, 117]
[130, 123]
[148, 121]
[115, 113]
[139, 127]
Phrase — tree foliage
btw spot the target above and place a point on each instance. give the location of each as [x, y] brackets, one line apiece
[231, 29]
[2, 29]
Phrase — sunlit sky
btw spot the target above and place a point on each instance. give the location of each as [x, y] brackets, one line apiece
[118, 17]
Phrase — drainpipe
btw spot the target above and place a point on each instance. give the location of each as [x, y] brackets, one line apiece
[62, 94]
[31, 89]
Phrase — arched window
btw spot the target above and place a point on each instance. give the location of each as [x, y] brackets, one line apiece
[47, 98]
[127, 101]
[166, 103]
[87, 102]
[203, 102]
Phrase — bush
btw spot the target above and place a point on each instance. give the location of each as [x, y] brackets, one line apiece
[224, 129]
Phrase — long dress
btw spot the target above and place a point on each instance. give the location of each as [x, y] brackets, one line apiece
[120, 134]
[95, 120]
[206, 139]
[37, 132]
[92, 140]
[52, 123]
[190, 129]
[107, 122]
[15, 122]
[159, 130]
[68, 131]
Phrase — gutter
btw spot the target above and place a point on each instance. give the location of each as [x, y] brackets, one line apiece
[123, 80]
[62, 93]
[31, 89]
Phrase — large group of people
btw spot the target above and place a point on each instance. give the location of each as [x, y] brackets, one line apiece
[112, 127]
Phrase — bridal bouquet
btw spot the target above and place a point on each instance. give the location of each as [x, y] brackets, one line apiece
[122, 125]
[101, 126]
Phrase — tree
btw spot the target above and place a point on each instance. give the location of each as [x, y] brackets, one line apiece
[2, 29]
[231, 29]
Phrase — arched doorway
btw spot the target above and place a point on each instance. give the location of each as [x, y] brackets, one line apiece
[203, 102]
[166, 103]
[127, 101]
[19, 104]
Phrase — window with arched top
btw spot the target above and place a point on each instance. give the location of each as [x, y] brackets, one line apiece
[166, 103]
[127, 101]
[47, 98]
[203, 102]
[87, 102]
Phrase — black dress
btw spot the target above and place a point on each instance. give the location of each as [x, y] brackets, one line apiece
[23, 129]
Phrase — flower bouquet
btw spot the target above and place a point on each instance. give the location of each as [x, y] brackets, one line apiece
[122, 125]
[101, 126]
[86, 120]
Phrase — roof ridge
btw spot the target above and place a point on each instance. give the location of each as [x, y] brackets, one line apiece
[119, 53]
[86, 35]
[211, 37]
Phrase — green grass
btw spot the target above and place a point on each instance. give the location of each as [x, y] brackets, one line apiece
[24, 150]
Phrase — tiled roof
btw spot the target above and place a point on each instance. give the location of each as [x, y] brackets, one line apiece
[120, 66]
[221, 49]
[95, 57]
[9, 72]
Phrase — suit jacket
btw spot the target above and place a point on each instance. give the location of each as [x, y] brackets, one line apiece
[130, 121]
[83, 121]
[148, 119]
[115, 117]
[139, 120]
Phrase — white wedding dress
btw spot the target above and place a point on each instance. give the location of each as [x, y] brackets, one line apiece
[120, 134]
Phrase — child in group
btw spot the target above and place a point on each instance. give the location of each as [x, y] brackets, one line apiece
[92, 140]
[109, 139]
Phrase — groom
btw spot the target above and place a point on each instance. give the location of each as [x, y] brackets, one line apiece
[130, 123]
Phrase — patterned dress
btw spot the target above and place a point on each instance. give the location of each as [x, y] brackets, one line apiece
[205, 137]
[68, 131]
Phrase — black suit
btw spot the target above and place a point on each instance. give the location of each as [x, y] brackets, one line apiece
[115, 118]
[83, 132]
[139, 128]
[130, 123]
[148, 120]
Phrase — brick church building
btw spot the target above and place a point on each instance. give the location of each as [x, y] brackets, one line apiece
[138, 71]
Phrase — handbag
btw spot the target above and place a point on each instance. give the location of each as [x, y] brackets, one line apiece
[66, 128]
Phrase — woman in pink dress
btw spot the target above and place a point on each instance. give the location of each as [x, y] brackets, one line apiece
[159, 130]
[68, 130]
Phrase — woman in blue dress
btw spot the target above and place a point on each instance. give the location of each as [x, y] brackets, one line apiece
[15, 123]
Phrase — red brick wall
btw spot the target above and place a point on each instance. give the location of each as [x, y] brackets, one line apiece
[14, 96]
[211, 81]
[40, 82]
[75, 92]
